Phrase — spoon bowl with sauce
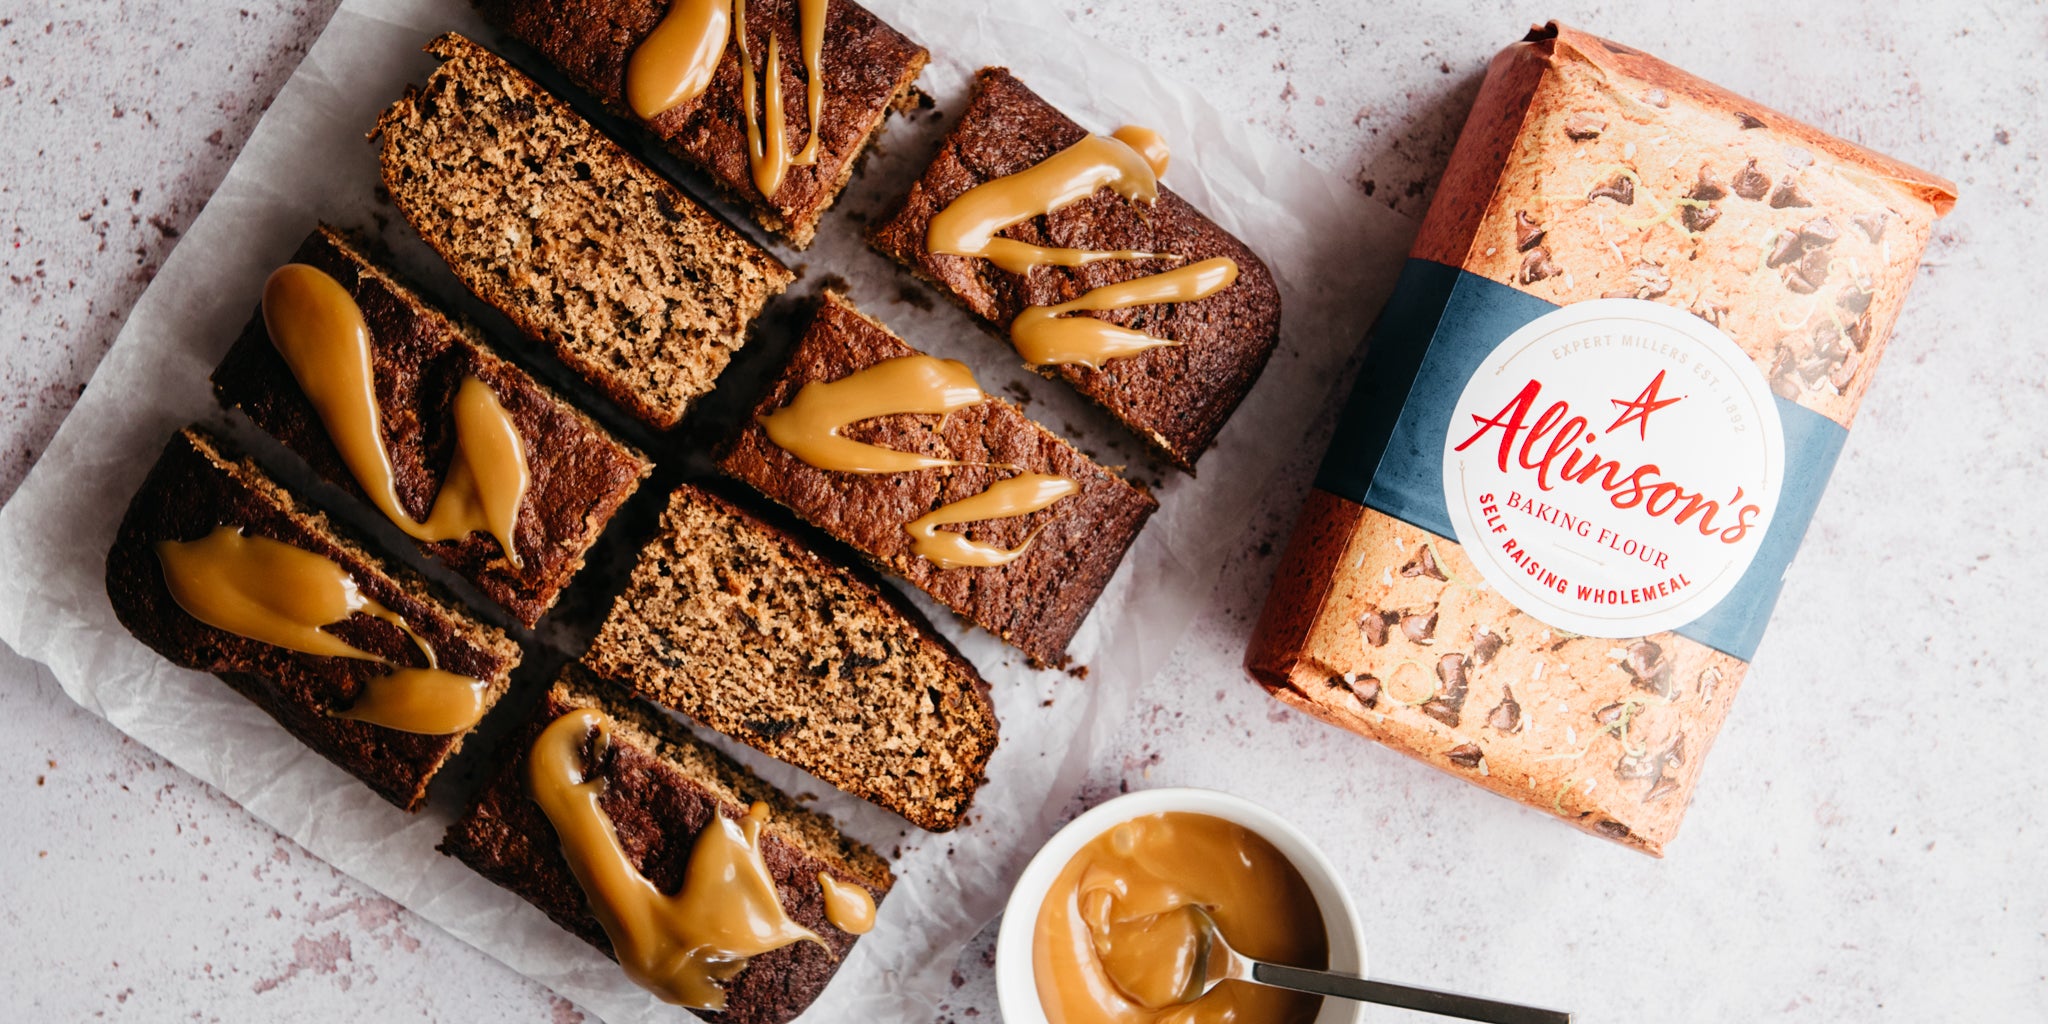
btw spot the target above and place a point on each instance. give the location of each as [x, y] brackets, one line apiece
[1098, 929]
[1186, 906]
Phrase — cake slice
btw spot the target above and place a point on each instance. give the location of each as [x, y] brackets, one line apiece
[739, 625]
[661, 788]
[1070, 549]
[633, 284]
[1176, 396]
[198, 489]
[866, 69]
[420, 359]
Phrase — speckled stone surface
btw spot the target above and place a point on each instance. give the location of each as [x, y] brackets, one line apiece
[1868, 842]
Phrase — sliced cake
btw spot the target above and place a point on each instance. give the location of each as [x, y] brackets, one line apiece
[622, 54]
[976, 505]
[659, 790]
[420, 361]
[633, 284]
[739, 625]
[218, 569]
[1203, 312]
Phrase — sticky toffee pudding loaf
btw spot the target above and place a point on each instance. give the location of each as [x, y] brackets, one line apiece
[967, 498]
[210, 534]
[659, 790]
[1593, 424]
[420, 362]
[1196, 356]
[633, 284]
[706, 106]
[741, 626]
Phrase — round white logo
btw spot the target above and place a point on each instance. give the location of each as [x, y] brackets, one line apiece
[1612, 467]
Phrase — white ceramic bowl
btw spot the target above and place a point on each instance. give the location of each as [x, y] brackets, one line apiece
[1017, 989]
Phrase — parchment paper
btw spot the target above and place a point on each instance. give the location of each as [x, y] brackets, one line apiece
[1334, 253]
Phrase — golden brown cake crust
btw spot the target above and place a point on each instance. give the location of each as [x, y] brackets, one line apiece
[869, 68]
[1035, 603]
[661, 787]
[1176, 397]
[419, 358]
[196, 486]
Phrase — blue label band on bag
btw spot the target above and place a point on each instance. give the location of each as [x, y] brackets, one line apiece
[1614, 468]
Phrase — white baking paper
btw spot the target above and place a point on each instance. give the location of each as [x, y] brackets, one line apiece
[1335, 255]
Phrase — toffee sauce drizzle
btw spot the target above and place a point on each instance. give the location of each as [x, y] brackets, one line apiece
[808, 428]
[682, 947]
[320, 331]
[1017, 496]
[675, 64]
[1129, 163]
[281, 595]
[847, 906]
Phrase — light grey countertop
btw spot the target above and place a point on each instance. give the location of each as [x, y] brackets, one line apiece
[1868, 838]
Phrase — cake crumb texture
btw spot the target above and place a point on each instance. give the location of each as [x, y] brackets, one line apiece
[740, 626]
[633, 284]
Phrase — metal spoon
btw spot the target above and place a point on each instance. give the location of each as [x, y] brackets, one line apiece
[1215, 962]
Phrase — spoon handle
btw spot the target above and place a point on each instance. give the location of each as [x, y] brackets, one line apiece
[1385, 993]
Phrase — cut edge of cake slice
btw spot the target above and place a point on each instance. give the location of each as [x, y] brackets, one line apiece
[743, 627]
[636, 287]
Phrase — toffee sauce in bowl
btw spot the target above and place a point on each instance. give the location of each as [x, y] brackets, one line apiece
[1092, 934]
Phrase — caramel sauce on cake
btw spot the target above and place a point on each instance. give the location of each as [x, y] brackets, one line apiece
[318, 328]
[1129, 163]
[277, 594]
[1048, 336]
[1175, 397]
[1036, 602]
[681, 947]
[808, 428]
[675, 64]
[968, 226]
[767, 145]
[1017, 496]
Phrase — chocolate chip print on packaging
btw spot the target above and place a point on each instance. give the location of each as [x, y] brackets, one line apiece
[1593, 423]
